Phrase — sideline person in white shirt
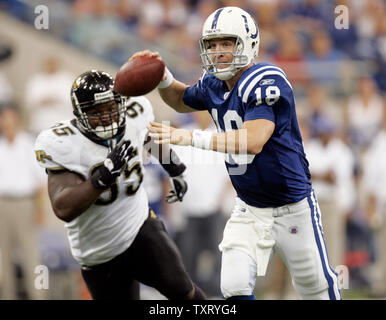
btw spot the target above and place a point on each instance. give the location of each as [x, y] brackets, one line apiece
[374, 182]
[332, 167]
[21, 189]
[363, 113]
[46, 97]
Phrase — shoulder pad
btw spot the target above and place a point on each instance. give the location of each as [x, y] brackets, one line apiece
[54, 147]
[268, 75]
[139, 107]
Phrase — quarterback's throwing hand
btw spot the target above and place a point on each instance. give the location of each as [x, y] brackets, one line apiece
[162, 134]
[145, 53]
[114, 164]
[179, 188]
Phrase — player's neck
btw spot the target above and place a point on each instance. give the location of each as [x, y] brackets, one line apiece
[232, 82]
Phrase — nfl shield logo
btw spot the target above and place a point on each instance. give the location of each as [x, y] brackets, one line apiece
[293, 230]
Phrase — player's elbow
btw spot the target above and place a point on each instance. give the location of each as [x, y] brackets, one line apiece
[64, 215]
[64, 212]
[173, 97]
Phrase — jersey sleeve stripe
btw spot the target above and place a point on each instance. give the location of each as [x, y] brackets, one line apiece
[60, 168]
[255, 72]
[202, 77]
[257, 79]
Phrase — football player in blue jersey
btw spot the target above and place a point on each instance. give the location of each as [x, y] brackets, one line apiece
[253, 107]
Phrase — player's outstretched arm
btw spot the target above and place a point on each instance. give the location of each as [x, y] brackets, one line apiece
[170, 90]
[248, 140]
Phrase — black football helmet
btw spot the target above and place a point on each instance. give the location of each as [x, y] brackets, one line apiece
[93, 88]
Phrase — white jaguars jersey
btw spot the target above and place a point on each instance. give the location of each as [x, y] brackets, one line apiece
[109, 226]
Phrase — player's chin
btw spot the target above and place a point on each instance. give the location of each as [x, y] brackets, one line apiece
[222, 66]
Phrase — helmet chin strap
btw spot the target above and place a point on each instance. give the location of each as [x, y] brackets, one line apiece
[226, 74]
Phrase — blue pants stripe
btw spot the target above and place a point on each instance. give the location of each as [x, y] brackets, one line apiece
[329, 273]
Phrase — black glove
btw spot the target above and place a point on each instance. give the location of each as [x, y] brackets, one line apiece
[179, 188]
[114, 164]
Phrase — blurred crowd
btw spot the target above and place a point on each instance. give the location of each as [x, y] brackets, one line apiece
[339, 78]
[298, 34]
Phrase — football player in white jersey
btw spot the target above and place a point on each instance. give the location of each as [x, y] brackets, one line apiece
[94, 167]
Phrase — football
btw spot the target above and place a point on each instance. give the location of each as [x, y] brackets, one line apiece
[139, 76]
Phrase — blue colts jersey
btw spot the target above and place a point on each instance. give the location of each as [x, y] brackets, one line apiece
[279, 174]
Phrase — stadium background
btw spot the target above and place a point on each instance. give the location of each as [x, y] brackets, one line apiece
[332, 71]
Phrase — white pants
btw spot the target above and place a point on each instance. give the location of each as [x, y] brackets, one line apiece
[293, 231]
